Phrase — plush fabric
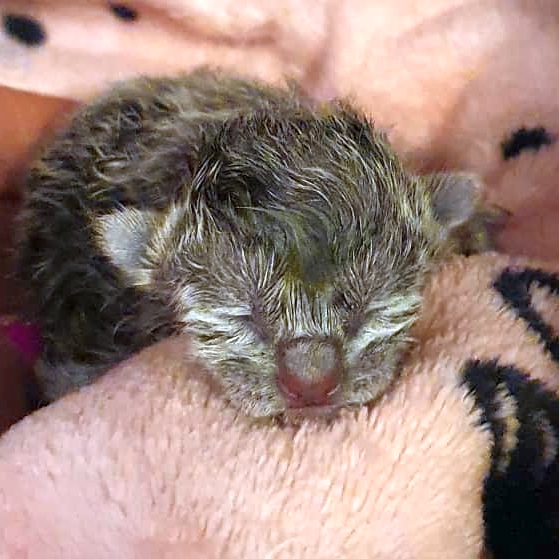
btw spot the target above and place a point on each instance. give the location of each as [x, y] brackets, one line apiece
[462, 454]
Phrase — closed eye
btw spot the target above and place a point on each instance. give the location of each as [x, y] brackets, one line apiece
[353, 324]
[384, 318]
[256, 324]
[353, 316]
[341, 300]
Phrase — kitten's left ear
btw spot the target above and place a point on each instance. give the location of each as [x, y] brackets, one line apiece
[456, 197]
[458, 205]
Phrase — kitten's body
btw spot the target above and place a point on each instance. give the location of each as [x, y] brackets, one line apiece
[284, 235]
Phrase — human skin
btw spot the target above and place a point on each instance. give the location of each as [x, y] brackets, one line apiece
[25, 119]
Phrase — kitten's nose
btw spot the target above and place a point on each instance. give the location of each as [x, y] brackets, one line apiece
[309, 372]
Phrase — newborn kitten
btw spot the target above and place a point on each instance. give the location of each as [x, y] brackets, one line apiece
[282, 234]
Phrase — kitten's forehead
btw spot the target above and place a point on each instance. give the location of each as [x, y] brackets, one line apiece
[271, 274]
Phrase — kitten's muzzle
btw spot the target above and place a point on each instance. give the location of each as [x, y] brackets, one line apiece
[309, 372]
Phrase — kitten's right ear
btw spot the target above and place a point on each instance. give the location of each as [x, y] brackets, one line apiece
[123, 237]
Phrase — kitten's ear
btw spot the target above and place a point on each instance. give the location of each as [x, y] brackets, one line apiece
[123, 237]
[458, 205]
[455, 197]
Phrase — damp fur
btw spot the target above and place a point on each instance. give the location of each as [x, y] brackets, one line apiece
[242, 214]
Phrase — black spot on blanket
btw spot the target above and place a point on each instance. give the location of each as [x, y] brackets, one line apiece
[514, 287]
[24, 29]
[124, 12]
[524, 139]
[521, 493]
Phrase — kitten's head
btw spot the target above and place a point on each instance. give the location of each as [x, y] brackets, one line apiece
[297, 258]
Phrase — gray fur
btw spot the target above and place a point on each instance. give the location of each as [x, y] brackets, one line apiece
[242, 214]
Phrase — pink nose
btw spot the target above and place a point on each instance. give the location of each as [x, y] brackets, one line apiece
[309, 372]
